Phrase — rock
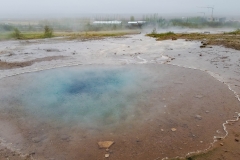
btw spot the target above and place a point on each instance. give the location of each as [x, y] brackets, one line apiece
[206, 32]
[202, 46]
[198, 117]
[174, 38]
[221, 144]
[107, 155]
[105, 144]
[32, 153]
[207, 111]
[236, 139]
[173, 129]
[219, 138]
[107, 150]
[199, 96]
[65, 137]
[38, 139]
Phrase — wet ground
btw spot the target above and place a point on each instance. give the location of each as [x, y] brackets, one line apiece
[180, 112]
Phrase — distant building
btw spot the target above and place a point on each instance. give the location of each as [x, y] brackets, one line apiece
[107, 22]
[222, 20]
[136, 23]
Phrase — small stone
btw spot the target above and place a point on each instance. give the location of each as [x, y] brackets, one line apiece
[65, 137]
[107, 155]
[236, 139]
[105, 144]
[173, 129]
[107, 150]
[198, 117]
[207, 111]
[221, 144]
[162, 130]
[219, 138]
[32, 153]
[199, 96]
[37, 139]
[201, 141]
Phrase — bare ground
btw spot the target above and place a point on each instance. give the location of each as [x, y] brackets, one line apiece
[11, 65]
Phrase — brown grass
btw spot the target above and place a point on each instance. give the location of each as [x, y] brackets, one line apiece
[228, 40]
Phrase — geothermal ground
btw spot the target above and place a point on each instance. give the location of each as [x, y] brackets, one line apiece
[153, 99]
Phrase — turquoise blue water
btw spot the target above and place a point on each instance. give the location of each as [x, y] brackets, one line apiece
[86, 96]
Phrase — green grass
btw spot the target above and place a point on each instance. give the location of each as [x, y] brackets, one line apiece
[32, 35]
[234, 32]
[162, 36]
[5, 35]
[24, 36]
[68, 35]
[94, 34]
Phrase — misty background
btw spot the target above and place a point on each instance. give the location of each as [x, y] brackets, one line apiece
[81, 8]
[32, 18]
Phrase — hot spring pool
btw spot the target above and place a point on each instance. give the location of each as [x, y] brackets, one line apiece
[84, 96]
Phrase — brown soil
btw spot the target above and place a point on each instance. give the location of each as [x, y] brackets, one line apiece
[196, 107]
[227, 148]
[11, 65]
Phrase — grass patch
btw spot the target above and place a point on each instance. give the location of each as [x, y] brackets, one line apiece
[32, 35]
[234, 32]
[229, 40]
[68, 35]
[22, 36]
[162, 36]
[95, 35]
[5, 35]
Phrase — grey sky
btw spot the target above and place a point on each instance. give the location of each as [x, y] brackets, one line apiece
[68, 8]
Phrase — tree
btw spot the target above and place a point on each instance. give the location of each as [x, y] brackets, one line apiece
[132, 18]
[48, 32]
[17, 34]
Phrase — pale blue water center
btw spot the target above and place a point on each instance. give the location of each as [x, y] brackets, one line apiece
[87, 96]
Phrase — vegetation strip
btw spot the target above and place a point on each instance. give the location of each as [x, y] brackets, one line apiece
[228, 39]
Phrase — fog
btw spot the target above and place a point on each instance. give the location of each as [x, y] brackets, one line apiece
[78, 8]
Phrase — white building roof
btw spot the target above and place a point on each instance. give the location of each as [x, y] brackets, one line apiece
[107, 22]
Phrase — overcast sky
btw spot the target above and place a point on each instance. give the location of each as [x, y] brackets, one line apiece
[74, 8]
